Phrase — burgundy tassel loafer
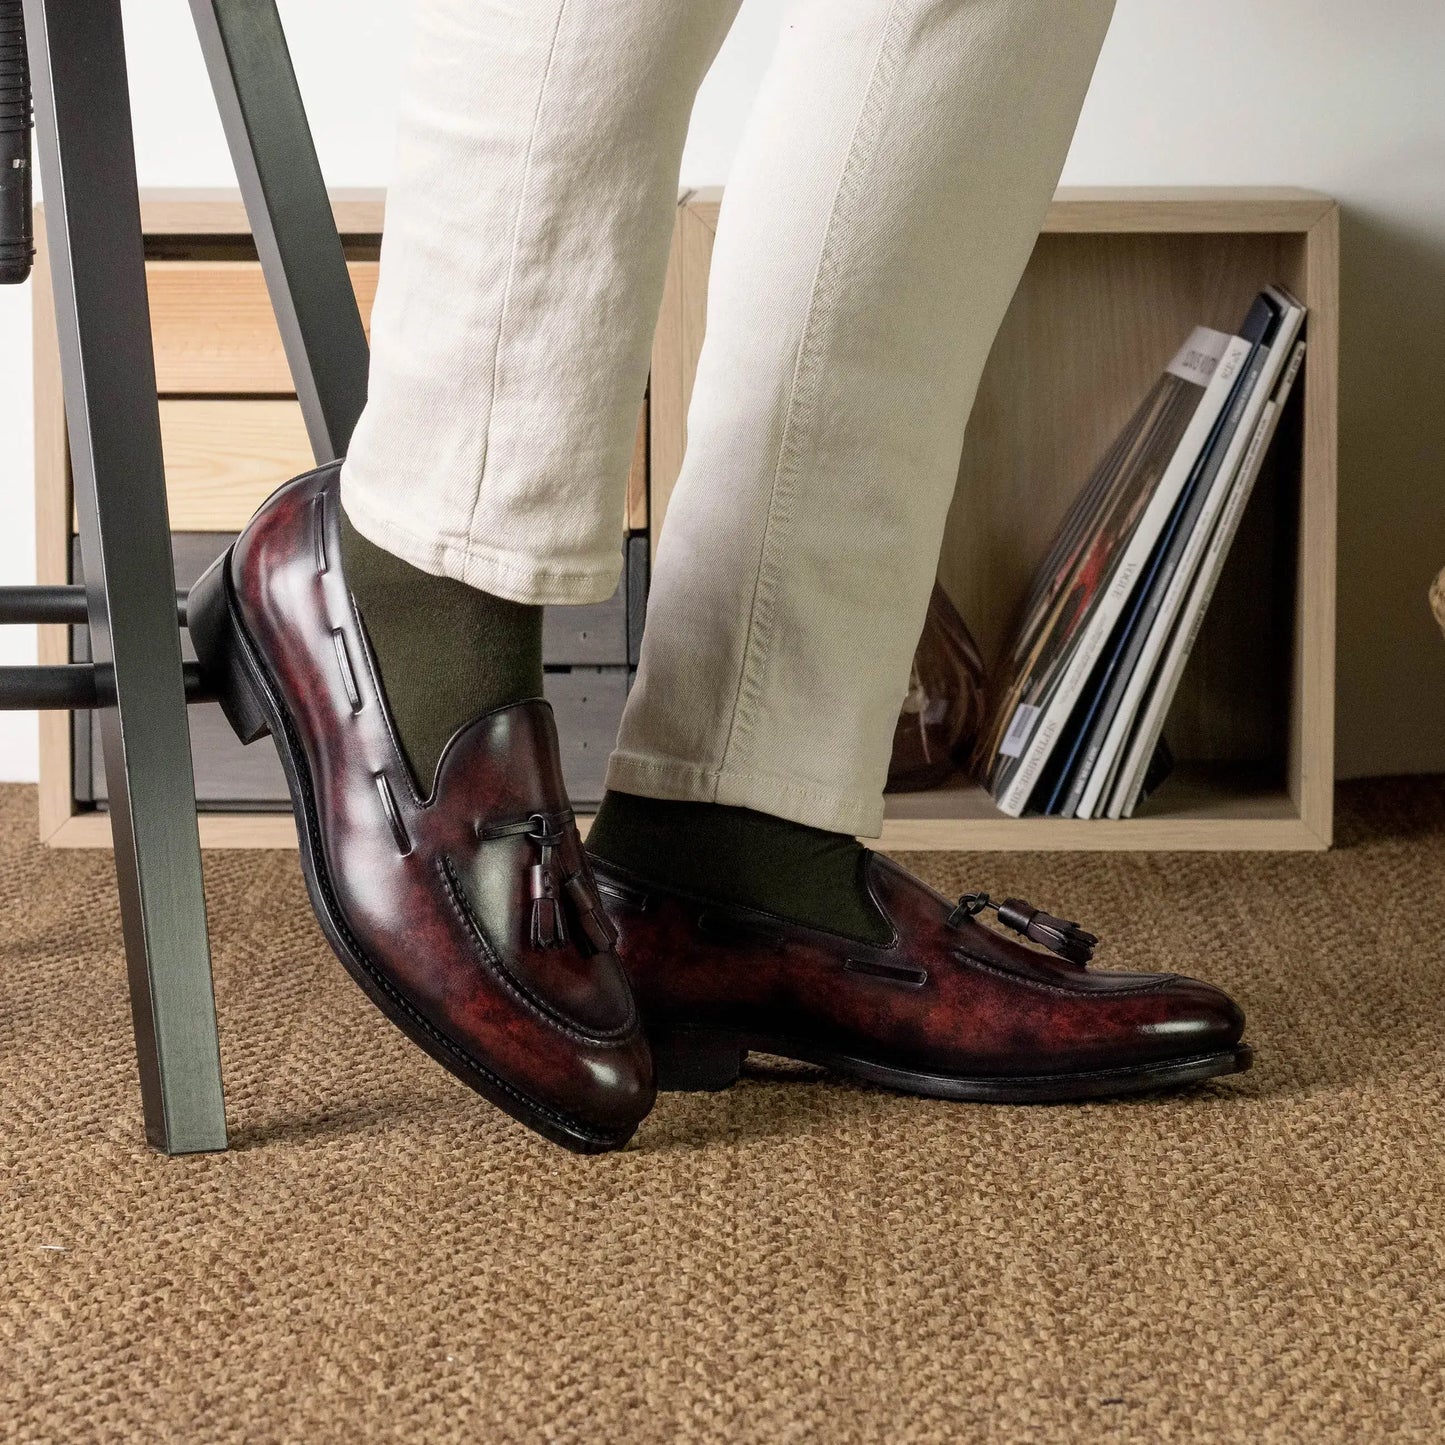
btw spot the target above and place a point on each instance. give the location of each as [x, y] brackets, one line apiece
[469, 917]
[950, 1007]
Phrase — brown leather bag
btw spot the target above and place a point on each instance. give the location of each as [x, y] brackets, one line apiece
[945, 704]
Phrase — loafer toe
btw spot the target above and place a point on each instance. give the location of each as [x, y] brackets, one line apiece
[1198, 1019]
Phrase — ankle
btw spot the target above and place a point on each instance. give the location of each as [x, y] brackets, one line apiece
[742, 857]
[447, 653]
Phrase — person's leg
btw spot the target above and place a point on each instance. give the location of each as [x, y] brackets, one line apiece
[382, 624]
[878, 220]
[889, 190]
[527, 233]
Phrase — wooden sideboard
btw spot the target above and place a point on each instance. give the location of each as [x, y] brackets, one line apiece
[1117, 278]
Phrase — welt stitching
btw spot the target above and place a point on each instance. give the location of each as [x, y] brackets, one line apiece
[784, 1047]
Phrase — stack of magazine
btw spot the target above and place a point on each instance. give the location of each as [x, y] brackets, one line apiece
[1105, 632]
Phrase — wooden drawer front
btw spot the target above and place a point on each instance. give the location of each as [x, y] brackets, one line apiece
[604, 633]
[594, 634]
[214, 328]
[588, 702]
[224, 458]
[227, 775]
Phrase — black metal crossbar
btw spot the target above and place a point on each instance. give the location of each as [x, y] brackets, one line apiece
[79, 687]
[64, 604]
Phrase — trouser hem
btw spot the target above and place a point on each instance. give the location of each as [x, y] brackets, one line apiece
[517, 576]
[858, 814]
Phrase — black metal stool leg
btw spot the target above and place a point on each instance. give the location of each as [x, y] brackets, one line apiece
[290, 214]
[87, 166]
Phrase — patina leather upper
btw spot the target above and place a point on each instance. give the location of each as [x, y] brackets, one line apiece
[948, 995]
[476, 903]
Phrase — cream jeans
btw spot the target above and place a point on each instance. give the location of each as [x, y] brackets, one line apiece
[884, 202]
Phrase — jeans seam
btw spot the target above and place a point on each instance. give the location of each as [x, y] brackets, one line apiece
[802, 390]
[512, 262]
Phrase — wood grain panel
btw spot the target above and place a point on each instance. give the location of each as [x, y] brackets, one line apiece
[218, 830]
[1216, 817]
[637, 475]
[52, 530]
[1195, 210]
[1202, 807]
[205, 211]
[214, 328]
[676, 347]
[224, 458]
[1312, 720]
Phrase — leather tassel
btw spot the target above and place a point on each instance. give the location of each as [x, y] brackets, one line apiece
[549, 928]
[594, 920]
[1058, 935]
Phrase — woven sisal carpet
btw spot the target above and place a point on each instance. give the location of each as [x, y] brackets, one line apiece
[382, 1257]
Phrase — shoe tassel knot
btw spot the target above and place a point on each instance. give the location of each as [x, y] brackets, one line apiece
[1058, 935]
[553, 890]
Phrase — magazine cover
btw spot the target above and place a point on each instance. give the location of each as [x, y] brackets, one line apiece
[1132, 785]
[1157, 621]
[1085, 560]
[1111, 703]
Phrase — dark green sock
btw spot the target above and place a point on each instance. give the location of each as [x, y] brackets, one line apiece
[734, 855]
[447, 652]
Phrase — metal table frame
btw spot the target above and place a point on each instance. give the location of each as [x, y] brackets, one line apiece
[137, 682]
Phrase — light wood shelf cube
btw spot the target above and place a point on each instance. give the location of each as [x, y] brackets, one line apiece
[1116, 282]
[1118, 277]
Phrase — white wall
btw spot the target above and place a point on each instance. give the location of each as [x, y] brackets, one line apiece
[1323, 93]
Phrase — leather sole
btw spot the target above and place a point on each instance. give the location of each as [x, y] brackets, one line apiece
[252, 705]
[690, 1060]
